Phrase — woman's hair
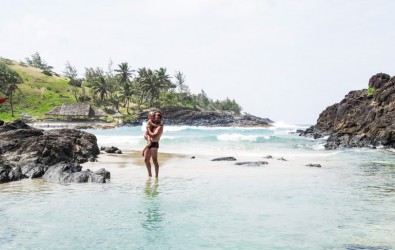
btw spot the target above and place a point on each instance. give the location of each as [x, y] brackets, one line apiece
[151, 114]
[158, 113]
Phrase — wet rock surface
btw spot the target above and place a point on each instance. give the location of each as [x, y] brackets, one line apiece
[27, 152]
[252, 163]
[111, 150]
[362, 119]
[224, 159]
[313, 165]
[73, 173]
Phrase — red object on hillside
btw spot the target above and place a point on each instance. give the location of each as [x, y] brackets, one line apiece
[3, 100]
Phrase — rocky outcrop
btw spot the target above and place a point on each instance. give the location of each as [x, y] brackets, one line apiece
[362, 119]
[27, 152]
[72, 172]
[196, 117]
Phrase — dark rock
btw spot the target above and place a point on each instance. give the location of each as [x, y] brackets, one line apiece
[313, 132]
[17, 124]
[15, 174]
[33, 170]
[5, 170]
[26, 145]
[281, 159]
[193, 157]
[1, 122]
[224, 159]
[29, 152]
[365, 247]
[360, 119]
[103, 172]
[379, 80]
[252, 163]
[132, 123]
[71, 173]
[314, 165]
[197, 117]
[112, 150]
[268, 157]
[92, 159]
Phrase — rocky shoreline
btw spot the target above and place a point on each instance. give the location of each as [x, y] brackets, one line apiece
[364, 118]
[55, 155]
[175, 116]
[196, 117]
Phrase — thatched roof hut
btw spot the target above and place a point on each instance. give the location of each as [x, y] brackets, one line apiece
[97, 112]
[79, 110]
[55, 111]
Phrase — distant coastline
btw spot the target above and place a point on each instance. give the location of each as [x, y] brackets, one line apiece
[196, 117]
[175, 116]
[117, 93]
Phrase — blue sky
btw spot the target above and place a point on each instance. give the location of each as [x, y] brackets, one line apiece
[285, 60]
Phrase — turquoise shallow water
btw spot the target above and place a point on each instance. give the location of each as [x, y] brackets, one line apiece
[349, 203]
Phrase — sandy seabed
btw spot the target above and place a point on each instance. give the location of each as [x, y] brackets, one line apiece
[130, 165]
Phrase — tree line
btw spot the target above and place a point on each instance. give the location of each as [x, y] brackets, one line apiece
[140, 89]
[123, 88]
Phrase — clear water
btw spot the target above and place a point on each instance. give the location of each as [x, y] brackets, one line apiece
[349, 203]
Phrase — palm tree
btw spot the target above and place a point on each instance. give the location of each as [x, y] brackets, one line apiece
[100, 86]
[151, 84]
[99, 82]
[124, 75]
[166, 87]
[164, 79]
[138, 89]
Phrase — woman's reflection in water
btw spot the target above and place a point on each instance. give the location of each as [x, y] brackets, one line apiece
[153, 217]
[151, 188]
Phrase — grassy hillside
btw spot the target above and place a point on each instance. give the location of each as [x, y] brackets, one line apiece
[38, 93]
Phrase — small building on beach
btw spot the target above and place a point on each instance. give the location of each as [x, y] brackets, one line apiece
[76, 111]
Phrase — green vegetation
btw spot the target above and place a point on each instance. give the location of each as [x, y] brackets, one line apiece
[35, 60]
[9, 80]
[37, 94]
[371, 91]
[121, 89]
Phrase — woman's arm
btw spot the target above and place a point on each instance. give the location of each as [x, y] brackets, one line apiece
[157, 131]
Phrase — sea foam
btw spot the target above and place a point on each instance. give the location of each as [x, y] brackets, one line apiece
[240, 137]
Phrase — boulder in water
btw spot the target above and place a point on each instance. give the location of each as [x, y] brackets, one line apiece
[252, 163]
[72, 173]
[27, 152]
[224, 159]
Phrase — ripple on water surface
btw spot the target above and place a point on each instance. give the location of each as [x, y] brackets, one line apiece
[347, 204]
